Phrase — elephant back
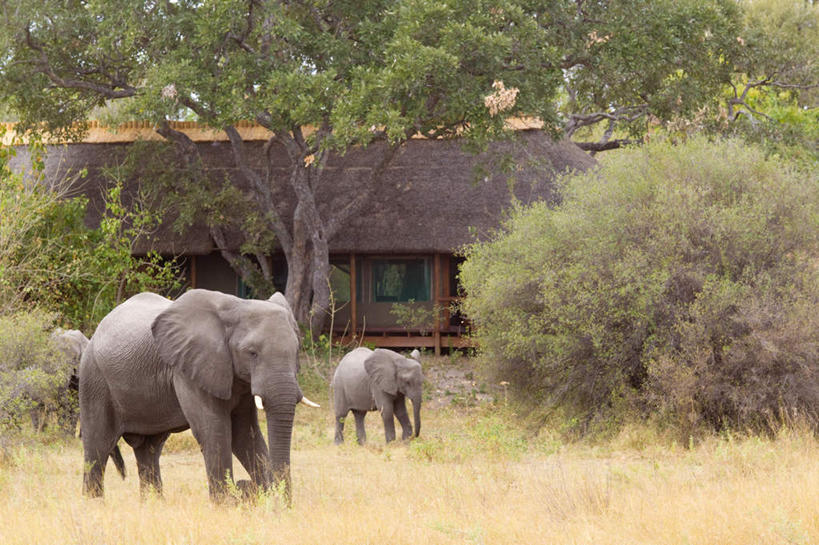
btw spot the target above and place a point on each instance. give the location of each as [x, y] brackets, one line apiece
[351, 384]
[122, 359]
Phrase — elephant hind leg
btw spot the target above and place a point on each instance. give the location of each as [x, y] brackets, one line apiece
[100, 433]
[94, 473]
[147, 453]
[339, 438]
[96, 455]
[360, 430]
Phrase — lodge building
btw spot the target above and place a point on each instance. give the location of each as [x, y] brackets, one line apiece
[401, 250]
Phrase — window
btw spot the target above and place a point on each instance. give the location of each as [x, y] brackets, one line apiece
[400, 280]
[340, 281]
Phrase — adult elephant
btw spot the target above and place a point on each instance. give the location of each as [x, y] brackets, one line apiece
[368, 380]
[155, 367]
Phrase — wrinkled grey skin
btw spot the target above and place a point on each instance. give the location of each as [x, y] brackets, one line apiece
[155, 367]
[367, 380]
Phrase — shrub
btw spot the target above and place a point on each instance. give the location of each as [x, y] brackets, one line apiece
[51, 260]
[681, 281]
[34, 373]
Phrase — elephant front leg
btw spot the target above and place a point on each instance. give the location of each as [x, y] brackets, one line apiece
[360, 430]
[403, 417]
[248, 444]
[218, 456]
[387, 415]
[209, 419]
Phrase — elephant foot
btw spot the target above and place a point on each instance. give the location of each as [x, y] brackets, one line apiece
[247, 489]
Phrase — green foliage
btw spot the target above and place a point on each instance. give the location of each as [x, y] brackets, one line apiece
[320, 76]
[49, 259]
[336, 76]
[675, 280]
[414, 316]
[421, 66]
[662, 58]
[772, 97]
[34, 373]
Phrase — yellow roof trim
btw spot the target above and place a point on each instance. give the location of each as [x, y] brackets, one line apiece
[143, 130]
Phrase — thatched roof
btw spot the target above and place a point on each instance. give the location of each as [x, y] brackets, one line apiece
[431, 199]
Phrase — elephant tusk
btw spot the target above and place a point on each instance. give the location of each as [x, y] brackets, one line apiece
[259, 404]
[309, 403]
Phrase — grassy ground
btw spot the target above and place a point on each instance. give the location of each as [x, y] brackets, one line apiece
[470, 478]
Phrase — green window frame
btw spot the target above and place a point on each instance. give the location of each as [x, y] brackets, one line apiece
[401, 280]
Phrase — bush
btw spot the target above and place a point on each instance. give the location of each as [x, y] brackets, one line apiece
[50, 259]
[680, 281]
[34, 372]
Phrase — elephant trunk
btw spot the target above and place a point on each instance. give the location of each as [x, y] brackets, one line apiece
[279, 433]
[279, 394]
[416, 413]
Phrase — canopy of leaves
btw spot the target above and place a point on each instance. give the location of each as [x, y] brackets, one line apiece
[626, 60]
[366, 70]
[680, 281]
[774, 94]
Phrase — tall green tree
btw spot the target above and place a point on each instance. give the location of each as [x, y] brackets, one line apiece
[774, 93]
[323, 77]
[716, 65]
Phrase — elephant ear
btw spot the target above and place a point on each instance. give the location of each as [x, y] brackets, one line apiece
[191, 339]
[380, 367]
[279, 299]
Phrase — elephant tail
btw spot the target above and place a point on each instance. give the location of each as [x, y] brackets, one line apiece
[119, 463]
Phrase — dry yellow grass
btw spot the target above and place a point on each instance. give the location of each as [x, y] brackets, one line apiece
[469, 479]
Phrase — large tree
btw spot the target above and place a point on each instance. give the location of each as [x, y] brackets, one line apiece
[322, 76]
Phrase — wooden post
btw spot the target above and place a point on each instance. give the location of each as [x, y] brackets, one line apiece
[436, 290]
[193, 271]
[353, 297]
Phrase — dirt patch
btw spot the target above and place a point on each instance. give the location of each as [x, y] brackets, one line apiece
[456, 382]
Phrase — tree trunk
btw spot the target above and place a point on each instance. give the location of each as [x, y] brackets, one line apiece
[297, 291]
[320, 309]
[305, 236]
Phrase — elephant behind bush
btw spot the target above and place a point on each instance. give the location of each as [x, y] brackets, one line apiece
[36, 370]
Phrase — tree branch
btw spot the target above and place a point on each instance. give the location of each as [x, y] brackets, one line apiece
[626, 114]
[116, 89]
[187, 149]
[261, 188]
[595, 147]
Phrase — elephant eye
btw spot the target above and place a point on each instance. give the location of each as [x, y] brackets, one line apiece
[252, 353]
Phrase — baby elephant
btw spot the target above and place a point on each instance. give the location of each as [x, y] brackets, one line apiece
[366, 380]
